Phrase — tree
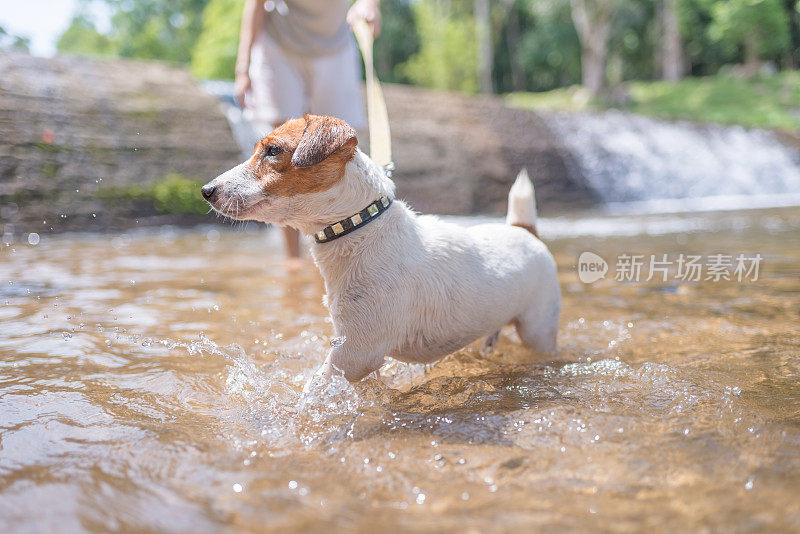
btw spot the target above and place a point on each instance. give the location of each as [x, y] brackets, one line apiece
[9, 41]
[214, 54]
[592, 20]
[397, 42]
[447, 57]
[82, 37]
[671, 46]
[483, 30]
[147, 29]
[157, 29]
[760, 27]
[549, 50]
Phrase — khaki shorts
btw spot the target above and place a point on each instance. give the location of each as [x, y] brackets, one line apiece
[287, 86]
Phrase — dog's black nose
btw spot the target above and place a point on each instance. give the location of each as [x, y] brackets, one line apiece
[208, 191]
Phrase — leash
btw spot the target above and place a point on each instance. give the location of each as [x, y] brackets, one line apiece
[380, 137]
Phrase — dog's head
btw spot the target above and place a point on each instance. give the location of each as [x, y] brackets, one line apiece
[296, 163]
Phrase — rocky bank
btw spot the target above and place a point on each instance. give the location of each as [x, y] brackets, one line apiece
[90, 144]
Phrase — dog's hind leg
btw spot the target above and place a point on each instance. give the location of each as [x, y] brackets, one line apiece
[490, 344]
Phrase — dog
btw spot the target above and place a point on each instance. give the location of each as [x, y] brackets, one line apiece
[397, 283]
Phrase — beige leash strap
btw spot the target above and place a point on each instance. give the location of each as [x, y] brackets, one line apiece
[380, 138]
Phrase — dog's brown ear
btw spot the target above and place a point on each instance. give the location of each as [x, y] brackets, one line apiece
[322, 137]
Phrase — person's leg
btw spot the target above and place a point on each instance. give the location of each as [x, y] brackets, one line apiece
[278, 95]
[292, 242]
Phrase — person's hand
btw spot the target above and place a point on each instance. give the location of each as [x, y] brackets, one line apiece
[241, 87]
[368, 10]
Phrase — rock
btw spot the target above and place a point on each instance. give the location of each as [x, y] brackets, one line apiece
[457, 154]
[83, 142]
[81, 137]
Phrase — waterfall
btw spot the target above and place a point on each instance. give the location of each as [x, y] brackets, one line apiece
[626, 158]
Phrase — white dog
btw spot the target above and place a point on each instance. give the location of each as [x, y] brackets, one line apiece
[398, 284]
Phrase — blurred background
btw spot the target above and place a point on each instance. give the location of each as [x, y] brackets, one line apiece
[108, 113]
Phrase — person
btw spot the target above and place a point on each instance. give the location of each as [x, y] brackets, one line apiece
[297, 57]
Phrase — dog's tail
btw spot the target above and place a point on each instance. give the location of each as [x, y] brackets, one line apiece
[522, 203]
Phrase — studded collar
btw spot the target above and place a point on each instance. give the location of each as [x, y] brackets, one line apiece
[354, 222]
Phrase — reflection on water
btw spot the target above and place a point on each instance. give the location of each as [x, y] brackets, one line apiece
[152, 380]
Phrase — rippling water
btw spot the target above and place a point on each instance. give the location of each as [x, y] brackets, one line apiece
[152, 381]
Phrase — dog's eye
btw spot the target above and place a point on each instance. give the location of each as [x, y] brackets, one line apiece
[273, 150]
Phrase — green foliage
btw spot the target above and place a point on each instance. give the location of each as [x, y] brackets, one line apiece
[549, 51]
[146, 29]
[634, 40]
[433, 42]
[82, 37]
[762, 24]
[705, 56]
[767, 101]
[214, 54]
[162, 29]
[173, 195]
[178, 195]
[13, 42]
[397, 42]
[447, 57]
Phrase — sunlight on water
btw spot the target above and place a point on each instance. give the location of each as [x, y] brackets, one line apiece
[154, 380]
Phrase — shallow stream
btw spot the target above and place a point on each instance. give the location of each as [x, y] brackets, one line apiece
[152, 381]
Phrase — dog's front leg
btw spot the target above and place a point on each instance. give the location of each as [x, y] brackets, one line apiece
[345, 361]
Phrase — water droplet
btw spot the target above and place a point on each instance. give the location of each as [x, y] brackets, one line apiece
[420, 498]
[237, 488]
[33, 238]
[749, 484]
[292, 484]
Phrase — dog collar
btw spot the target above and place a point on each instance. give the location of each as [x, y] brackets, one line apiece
[354, 222]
